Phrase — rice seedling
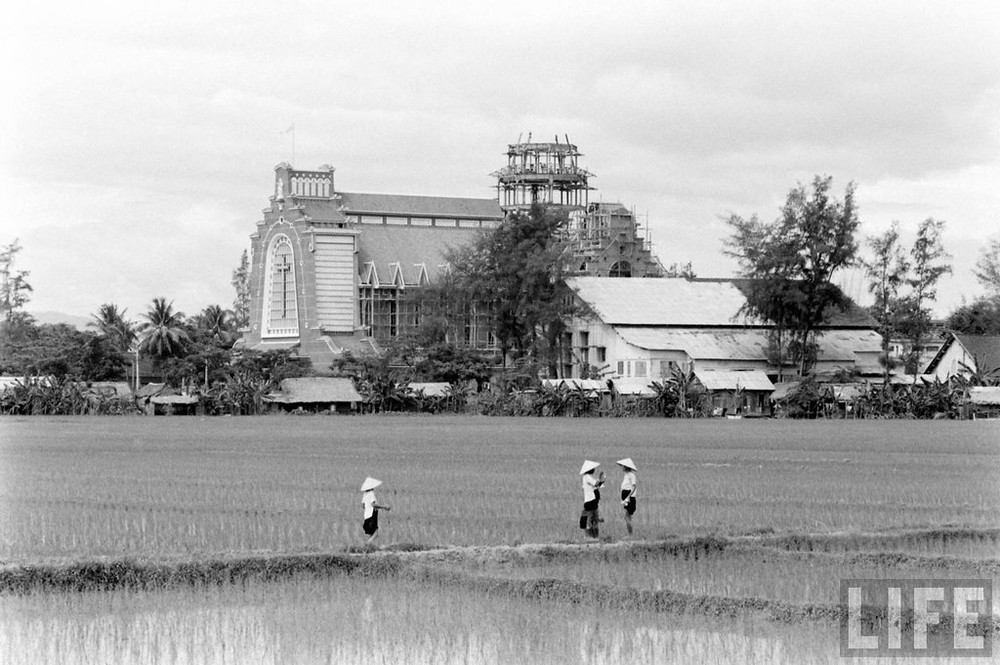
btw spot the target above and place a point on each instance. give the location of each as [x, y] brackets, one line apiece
[348, 620]
[150, 487]
[238, 540]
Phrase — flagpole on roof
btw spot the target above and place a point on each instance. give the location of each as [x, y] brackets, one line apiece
[291, 130]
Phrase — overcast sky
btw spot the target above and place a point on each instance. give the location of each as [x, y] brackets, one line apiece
[138, 145]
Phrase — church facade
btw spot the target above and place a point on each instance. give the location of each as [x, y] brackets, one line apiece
[334, 271]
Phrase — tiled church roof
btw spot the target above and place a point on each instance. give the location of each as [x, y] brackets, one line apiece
[427, 206]
[411, 247]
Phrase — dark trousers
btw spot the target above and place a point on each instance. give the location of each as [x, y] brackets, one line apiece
[589, 518]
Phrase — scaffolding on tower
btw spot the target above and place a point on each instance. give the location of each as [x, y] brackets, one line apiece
[544, 173]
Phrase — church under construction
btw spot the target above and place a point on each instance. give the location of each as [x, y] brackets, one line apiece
[334, 270]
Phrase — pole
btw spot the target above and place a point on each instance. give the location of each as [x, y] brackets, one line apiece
[291, 130]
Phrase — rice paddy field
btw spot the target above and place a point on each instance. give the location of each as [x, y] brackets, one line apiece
[238, 540]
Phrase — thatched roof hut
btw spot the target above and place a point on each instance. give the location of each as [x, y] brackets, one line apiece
[315, 394]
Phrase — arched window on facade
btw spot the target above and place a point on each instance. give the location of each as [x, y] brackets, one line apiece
[620, 269]
[281, 311]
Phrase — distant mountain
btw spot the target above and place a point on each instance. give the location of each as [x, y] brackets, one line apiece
[78, 322]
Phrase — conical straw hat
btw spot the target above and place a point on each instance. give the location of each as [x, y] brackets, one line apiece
[588, 465]
[627, 463]
[370, 484]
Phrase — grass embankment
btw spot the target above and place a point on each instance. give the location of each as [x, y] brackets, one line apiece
[125, 573]
[936, 539]
[481, 570]
[110, 573]
[874, 549]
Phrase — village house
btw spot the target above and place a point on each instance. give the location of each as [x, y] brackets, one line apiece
[637, 331]
[320, 393]
[965, 355]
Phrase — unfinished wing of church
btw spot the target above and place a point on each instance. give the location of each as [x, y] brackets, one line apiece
[334, 271]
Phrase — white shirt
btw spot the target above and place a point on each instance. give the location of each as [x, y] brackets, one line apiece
[589, 485]
[368, 501]
[628, 482]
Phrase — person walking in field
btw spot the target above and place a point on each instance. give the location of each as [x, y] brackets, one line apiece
[592, 483]
[371, 506]
[628, 491]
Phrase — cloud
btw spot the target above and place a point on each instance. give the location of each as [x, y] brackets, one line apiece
[153, 130]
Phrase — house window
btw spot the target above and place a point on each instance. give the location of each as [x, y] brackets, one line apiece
[601, 354]
[640, 368]
[584, 339]
[667, 367]
[621, 368]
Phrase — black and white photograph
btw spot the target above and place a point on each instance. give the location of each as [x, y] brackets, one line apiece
[476, 333]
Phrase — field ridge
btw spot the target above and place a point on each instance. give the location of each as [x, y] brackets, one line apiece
[106, 573]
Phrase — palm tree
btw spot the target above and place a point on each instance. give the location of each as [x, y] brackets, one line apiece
[163, 334]
[216, 323]
[122, 333]
[112, 324]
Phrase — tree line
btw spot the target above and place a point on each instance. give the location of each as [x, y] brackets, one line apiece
[195, 353]
[514, 278]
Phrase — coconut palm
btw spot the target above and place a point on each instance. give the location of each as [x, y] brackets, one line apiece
[122, 333]
[164, 334]
[112, 323]
[216, 323]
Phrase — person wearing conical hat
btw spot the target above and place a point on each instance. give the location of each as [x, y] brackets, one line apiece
[592, 483]
[371, 506]
[628, 491]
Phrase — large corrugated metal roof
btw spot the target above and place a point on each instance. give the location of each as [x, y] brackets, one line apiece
[843, 344]
[7, 382]
[743, 343]
[733, 344]
[639, 387]
[985, 395]
[732, 380]
[431, 389]
[174, 399]
[679, 302]
[592, 385]
[662, 302]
